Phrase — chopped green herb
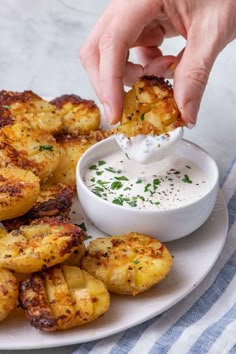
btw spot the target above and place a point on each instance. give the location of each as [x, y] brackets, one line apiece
[186, 179]
[142, 116]
[157, 203]
[82, 226]
[99, 173]
[92, 167]
[122, 178]
[46, 147]
[156, 183]
[116, 185]
[117, 201]
[110, 169]
[141, 197]
[188, 166]
[101, 162]
[92, 179]
[136, 261]
[132, 203]
[147, 187]
[127, 189]
[88, 237]
[102, 183]
[5, 106]
[176, 172]
[139, 181]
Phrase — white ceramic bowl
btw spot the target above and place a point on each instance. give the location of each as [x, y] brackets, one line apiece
[166, 225]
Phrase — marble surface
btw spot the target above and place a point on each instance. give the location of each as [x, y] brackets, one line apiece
[39, 46]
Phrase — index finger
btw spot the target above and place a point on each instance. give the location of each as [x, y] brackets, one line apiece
[114, 45]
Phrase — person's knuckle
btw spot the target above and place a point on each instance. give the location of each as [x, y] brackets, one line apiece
[106, 41]
[199, 76]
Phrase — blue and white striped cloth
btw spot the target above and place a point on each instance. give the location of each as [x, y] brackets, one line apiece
[203, 322]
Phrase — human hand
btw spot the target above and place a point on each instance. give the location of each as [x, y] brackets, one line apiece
[207, 25]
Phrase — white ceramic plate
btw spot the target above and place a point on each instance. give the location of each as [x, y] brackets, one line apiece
[194, 256]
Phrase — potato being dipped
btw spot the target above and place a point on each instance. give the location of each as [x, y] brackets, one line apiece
[128, 264]
[151, 124]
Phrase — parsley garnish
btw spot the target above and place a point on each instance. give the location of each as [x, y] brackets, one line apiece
[82, 226]
[116, 185]
[122, 178]
[138, 181]
[92, 167]
[147, 187]
[156, 183]
[117, 201]
[136, 261]
[5, 106]
[186, 179]
[142, 116]
[101, 162]
[46, 147]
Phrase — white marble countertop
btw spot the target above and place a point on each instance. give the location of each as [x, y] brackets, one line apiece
[39, 46]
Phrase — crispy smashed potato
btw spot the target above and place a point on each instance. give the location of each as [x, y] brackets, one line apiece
[76, 256]
[30, 149]
[72, 149]
[8, 293]
[42, 244]
[53, 200]
[19, 190]
[29, 108]
[79, 116]
[149, 108]
[62, 297]
[128, 264]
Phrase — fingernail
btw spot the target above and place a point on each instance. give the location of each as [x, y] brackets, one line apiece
[190, 113]
[108, 112]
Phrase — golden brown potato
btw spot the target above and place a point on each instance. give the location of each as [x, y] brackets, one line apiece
[42, 244]
[149, 108]
[28, 148]
[62, 297]
[19, 190]
[128, 264]
[53, 200]
[75, 258]
[29, 108]
[72, 150]
[79, 116]
[8, 292]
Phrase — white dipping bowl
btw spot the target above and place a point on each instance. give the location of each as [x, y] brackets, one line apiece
[165, 225]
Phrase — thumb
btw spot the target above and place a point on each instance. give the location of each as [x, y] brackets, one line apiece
[191, 75]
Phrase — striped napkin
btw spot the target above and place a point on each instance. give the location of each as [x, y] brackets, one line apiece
[203, 322]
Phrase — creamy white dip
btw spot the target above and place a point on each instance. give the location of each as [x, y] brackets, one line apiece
[166, 184]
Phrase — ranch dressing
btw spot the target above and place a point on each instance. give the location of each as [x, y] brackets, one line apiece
[166, 184]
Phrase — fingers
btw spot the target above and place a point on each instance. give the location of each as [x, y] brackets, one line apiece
[192, 73]
[105, 54]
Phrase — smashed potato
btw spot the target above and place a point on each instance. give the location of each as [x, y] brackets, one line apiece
[53, 200]
[72, 149]
[30, 149]
[19, 190]
[79, 116]
[29, 108]
[42, 244]
[62, 297]
[128, 264]
[149, 108]
[8, 293]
